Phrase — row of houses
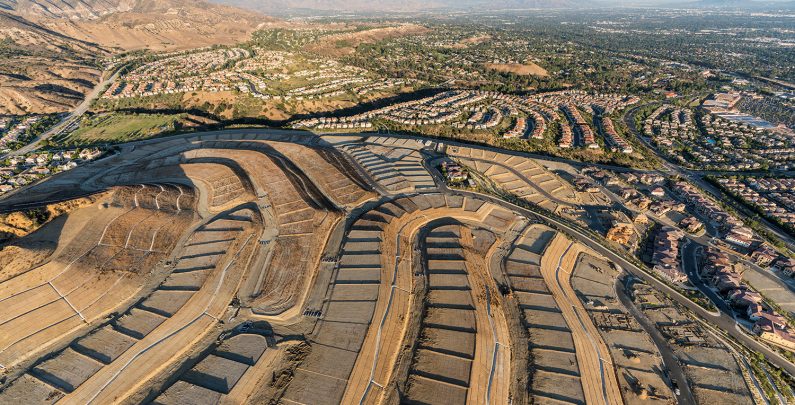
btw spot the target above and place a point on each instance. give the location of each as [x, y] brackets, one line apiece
[249, 72]
[11, 132]
[489, 110]
[327, 87]
[774, 197]
[718, 142]
[483, 118]
[608, 103]
[378, 86]
[23, 170]
[566, 140]
[518, 130]
[618, 142]
[726, 278]
[581, 124]
[735, 232]
[666, 258]
[189, 64]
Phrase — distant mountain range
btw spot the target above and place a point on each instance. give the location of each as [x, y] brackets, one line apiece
[135, 24]
[42, 70]
[50, 49]
[84, 9]
[278, 7]
[742, 4]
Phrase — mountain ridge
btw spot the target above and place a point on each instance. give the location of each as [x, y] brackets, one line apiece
[141, 24]
[402, 6]
[328, 6]
[52, 49]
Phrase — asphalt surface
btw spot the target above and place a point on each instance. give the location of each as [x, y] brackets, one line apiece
[723, 320]
[697, 177]
[671, 362]
[74, 115]
[691, 254]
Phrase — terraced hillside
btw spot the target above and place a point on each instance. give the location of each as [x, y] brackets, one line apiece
[282, 267]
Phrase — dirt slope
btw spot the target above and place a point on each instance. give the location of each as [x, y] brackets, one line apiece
[136, 24]
[41, 70]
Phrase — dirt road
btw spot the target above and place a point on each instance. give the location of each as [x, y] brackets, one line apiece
[599, 380]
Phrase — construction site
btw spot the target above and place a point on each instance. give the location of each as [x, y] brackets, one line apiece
[276, 266]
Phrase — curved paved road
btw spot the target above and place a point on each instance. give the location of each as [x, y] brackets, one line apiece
[697, 177]
[670, 360]
[74, 115]
[724, 321]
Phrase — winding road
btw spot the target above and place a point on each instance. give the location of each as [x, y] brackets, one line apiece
[78, 112]
[677, 373]
[723, 320]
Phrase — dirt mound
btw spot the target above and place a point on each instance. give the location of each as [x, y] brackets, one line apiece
[21, 223]
[159, 25]
[49, 71]
[16, 259]
[522, 69]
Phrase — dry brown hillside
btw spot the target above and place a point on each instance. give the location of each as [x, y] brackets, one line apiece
[83, 9]
[41, 70]
[137, 24]
[51, 50]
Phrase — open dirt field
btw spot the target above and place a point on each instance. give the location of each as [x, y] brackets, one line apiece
[521, 69]
[89, 277]
[265, 266]
[520, 176]
[599, 379]
[636, 358]
[713, 371]
[100, 258]
[372, 287]
[396, 164]
[549, 337]
[456, 345]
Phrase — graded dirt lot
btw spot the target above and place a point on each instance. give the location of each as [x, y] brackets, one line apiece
[168, 257]
[371, 286]
[520, 176]
[714, 373]
[636, 358]
[454, 352]
[264, 266]
[522, 69]
[599, 379]
[89, 277]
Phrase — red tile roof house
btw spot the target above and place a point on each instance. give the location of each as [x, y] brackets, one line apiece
[726, 282]
[738, 239]
[764, 255]
[718, 258]
[759, 311]
[672, 273]
[787, 266]
[773, 328]
[745, 298]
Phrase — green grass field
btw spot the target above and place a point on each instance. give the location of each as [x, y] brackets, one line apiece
[126, 127]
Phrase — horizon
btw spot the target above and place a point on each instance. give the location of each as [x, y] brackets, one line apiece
[501, 5]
